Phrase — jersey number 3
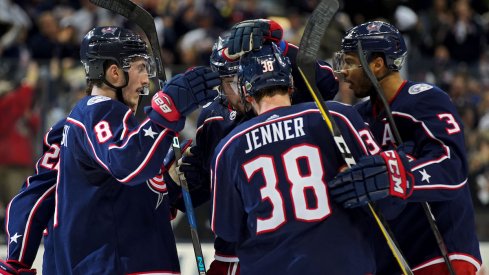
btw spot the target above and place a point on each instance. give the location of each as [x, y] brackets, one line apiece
[304, 210]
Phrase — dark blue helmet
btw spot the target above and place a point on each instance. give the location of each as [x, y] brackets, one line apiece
[377, 37]
[264, 68]
[112, 43]
[219, 63]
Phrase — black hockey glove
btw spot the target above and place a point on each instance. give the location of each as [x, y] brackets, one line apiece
[191, 167]
[182, 95]
[250, 34]
[373, 178]
[11, 267]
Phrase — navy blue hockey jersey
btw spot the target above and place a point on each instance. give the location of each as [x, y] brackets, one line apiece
[276, 207]
[433, 137]
[33, 207]
[107, 219]
[216, 120]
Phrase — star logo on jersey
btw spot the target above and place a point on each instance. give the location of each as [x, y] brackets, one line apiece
[15, 237]
[149, 132]
[425, 176]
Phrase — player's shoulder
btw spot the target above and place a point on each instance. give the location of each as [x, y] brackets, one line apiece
[96, 108]
[55, 132]
[212, 110]
[422, 96]
[421, 90]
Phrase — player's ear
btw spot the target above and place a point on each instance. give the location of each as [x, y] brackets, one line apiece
[377, 65]
[115, 75]
[249, 98]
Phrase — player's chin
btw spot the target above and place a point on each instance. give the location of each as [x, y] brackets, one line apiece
[133, 105]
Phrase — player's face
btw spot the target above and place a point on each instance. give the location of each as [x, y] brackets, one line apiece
[230, 88]
[353, 74]
[138, 82]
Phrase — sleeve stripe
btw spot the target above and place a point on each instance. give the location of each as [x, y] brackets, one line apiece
[445, 148]
[208, 120]
[25, 240]
[139, 168]
[440, 186]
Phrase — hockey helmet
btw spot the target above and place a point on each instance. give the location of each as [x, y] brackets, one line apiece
[112, 43]
[264, 68]
[377, 37]
[218, 63]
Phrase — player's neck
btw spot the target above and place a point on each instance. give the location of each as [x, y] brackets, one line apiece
[390, 84]
[268, 103]
[103, 92]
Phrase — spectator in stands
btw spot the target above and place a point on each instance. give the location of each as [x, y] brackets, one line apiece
[19, 124]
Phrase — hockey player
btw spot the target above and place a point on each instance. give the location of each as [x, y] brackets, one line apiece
[226, 112]
[106, 220]
[433, 140]
[276, 207]
[29, 212]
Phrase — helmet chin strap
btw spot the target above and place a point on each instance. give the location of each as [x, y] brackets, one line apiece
[118, 90]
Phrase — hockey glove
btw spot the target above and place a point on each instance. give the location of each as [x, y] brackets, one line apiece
[250, 34]
[182, 95]
[11, 267]
[223, 268]
[373, 178]
[191, 167]
[171, 165]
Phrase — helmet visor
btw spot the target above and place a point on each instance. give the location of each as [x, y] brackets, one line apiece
[343, 62]
[148, 65]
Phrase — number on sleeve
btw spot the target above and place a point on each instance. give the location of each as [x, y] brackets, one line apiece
[102, 131]
[450, 120]
[50, 158]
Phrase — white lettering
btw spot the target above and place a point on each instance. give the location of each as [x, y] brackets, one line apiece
[64, 139]
[387, 136]
[254, 134]
[266, 134]
[274, 132]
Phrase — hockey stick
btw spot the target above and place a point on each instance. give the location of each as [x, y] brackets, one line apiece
[306, 58]
[145, 21]
[426, 207]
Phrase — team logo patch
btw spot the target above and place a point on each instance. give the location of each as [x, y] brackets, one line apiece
[418, 88]
[109, 30]
[374, 27]
[232, 115]
[207, 104]
[273, 117]
[97, 99]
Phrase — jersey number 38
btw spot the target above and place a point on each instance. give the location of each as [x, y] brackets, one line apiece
[304, 210]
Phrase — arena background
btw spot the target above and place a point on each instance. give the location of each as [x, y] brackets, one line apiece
[39, 42]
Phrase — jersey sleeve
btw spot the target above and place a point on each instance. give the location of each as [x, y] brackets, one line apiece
[208, 134]
[29, 212]
[111, 136]
[357, 135]
[436, 146]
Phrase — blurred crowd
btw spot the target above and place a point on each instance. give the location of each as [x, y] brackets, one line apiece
[41, 76]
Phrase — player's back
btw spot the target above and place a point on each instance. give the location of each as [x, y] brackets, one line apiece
[270, 173]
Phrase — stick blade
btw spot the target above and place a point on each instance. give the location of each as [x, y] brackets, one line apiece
[314, 31]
